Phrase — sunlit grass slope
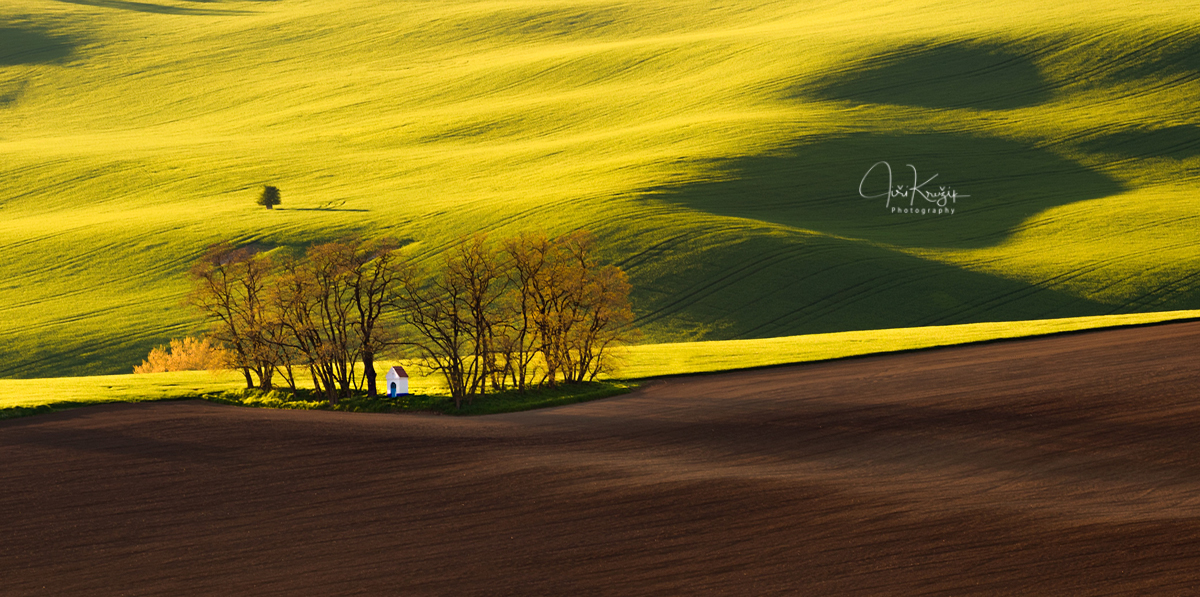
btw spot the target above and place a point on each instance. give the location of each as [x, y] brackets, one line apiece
[717, 148]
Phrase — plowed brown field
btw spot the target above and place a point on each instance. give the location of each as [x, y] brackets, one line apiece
[1063, 465]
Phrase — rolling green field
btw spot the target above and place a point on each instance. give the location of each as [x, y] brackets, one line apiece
[716, 147]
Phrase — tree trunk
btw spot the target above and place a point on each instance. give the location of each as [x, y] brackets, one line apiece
[249, 380]
[265, 375]
[329, 378]
[369, 372]
[290, 376]
[316, 382]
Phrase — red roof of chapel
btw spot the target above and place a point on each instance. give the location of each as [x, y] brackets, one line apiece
[399, 371]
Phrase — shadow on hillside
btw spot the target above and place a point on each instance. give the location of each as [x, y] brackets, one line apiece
[9, 96]
[983, 75]
[1176, 142]
[819, 184]
[20, 44]
[155, 8]
[1172, 56]
[747, 284]
[320, 209]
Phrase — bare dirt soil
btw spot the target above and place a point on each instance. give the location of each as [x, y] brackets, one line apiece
[1065, 465]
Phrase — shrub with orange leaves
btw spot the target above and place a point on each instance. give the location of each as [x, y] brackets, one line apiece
[188, 354]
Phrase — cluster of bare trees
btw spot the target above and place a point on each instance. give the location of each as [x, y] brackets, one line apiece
[322, 312]
[527, 311]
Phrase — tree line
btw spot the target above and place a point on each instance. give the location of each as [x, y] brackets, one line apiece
[490, 316]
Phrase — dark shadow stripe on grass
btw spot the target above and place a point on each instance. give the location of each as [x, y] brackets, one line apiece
[24, 44]
[155, 8]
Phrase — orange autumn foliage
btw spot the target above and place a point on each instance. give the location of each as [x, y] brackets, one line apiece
[188, 354]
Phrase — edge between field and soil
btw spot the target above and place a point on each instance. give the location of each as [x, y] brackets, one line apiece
[26, 397]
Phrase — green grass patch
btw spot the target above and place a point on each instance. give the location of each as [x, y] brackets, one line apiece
[30, 396]
[488, 404]
[14, 412]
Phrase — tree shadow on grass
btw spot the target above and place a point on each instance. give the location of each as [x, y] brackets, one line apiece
[319, 209]
[23, 44]
[9, 97]
[819, 184]
[155, 8]
[986, 76]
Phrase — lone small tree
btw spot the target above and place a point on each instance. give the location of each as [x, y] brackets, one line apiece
[269, 197]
